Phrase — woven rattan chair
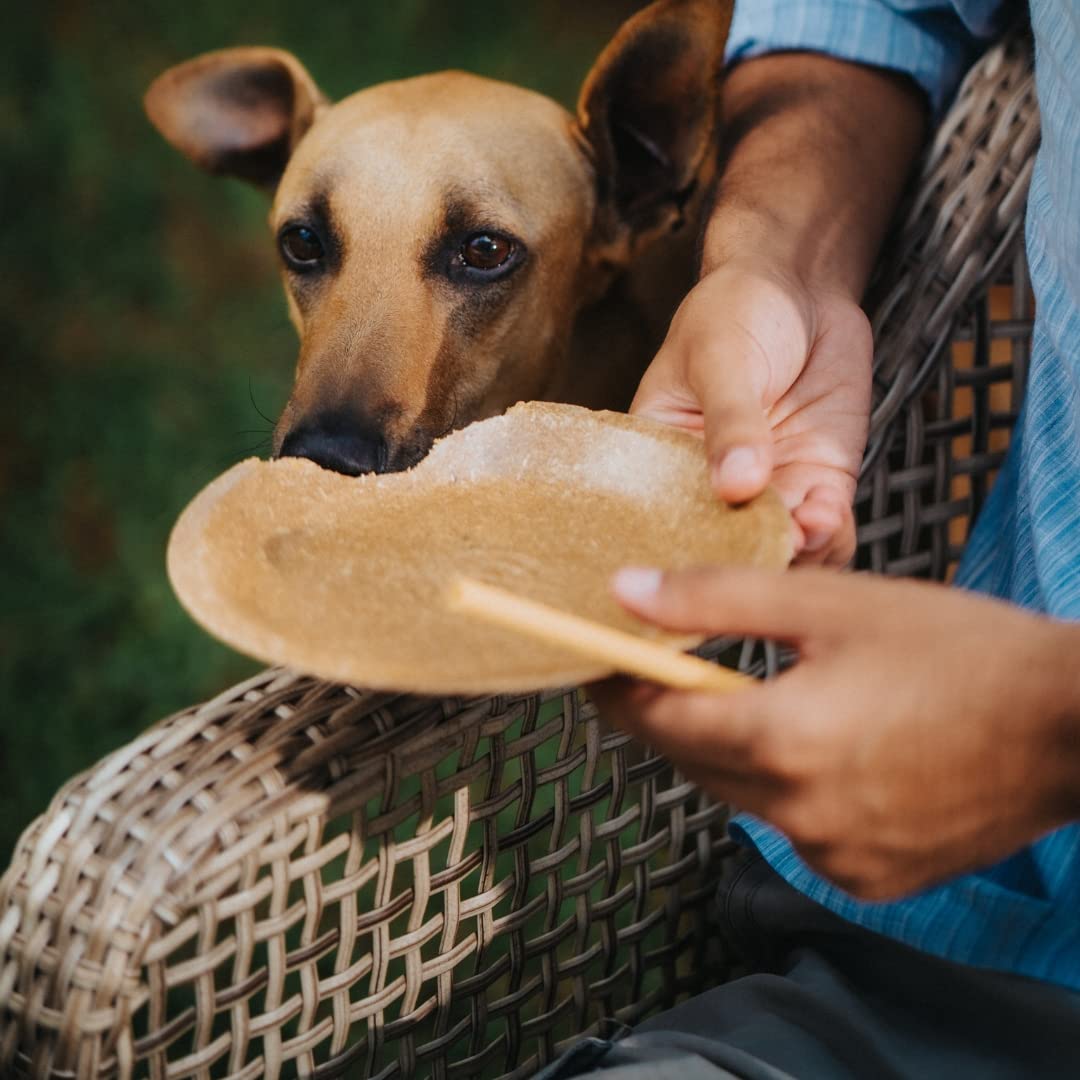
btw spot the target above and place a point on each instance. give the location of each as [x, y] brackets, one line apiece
[299, 878]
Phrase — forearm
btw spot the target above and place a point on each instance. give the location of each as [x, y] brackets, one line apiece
[815, 154]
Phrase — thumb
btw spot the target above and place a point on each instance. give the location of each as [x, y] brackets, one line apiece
[706, 381]
[760, 603]
[738, 439]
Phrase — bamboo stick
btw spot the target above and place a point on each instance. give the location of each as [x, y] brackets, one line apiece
[625, 652]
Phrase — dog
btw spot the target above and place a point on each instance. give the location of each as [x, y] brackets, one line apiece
[452, 244]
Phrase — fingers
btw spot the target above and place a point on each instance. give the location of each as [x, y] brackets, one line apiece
[616, 696]
[758, 603]
[714, 731]
[820, 500]
[712, 739]
[827, 523]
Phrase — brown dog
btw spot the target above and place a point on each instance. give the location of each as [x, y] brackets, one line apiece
[451, 244]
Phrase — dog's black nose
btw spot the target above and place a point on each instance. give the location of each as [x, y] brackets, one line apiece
[335, 447]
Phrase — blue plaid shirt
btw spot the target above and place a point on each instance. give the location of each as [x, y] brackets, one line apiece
[1022, 915]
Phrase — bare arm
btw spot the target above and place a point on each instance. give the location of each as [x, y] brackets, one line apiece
[769, 355]
[817, 153]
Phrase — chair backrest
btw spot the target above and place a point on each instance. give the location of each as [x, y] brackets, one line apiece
[952, 313]
[299, 876]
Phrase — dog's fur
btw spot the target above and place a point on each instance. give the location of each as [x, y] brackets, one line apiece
[400, 340]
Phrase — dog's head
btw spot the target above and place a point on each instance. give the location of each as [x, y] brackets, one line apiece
[438, 235]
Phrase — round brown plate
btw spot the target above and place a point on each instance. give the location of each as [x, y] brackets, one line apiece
[344, 577]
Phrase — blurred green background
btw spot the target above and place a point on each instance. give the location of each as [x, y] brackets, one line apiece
[144, 331]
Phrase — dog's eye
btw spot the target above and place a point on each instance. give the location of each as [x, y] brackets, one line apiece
[486, 251]
[475, 259]
[301, 247]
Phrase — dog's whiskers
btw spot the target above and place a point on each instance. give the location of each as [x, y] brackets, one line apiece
[251, 395]
[258, 448]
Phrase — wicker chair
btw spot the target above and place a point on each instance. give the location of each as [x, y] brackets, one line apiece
[299, 878]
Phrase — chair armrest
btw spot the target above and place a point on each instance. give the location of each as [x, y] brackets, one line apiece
[299, 874]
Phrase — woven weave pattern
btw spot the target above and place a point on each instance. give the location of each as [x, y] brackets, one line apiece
[306, 879]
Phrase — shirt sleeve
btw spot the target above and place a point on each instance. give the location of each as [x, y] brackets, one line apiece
[932, 41]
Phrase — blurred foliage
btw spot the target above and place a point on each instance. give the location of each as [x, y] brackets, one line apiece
[144, 331]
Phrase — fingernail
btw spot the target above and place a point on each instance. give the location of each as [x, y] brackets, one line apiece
[740, 467]
[815, 540]
[636, 584]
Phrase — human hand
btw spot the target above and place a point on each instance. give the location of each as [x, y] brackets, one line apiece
[778, 378]
[925, 731]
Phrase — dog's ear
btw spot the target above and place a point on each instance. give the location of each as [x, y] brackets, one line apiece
[648, 107]
[236, 112]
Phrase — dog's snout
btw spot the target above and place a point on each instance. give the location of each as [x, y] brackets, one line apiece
[342, 448]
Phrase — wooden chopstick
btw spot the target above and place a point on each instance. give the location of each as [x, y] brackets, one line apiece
[604, 644]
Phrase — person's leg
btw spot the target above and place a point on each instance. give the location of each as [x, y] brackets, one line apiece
[832, 1001]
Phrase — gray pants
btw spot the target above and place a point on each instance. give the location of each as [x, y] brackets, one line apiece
[831, 1000]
